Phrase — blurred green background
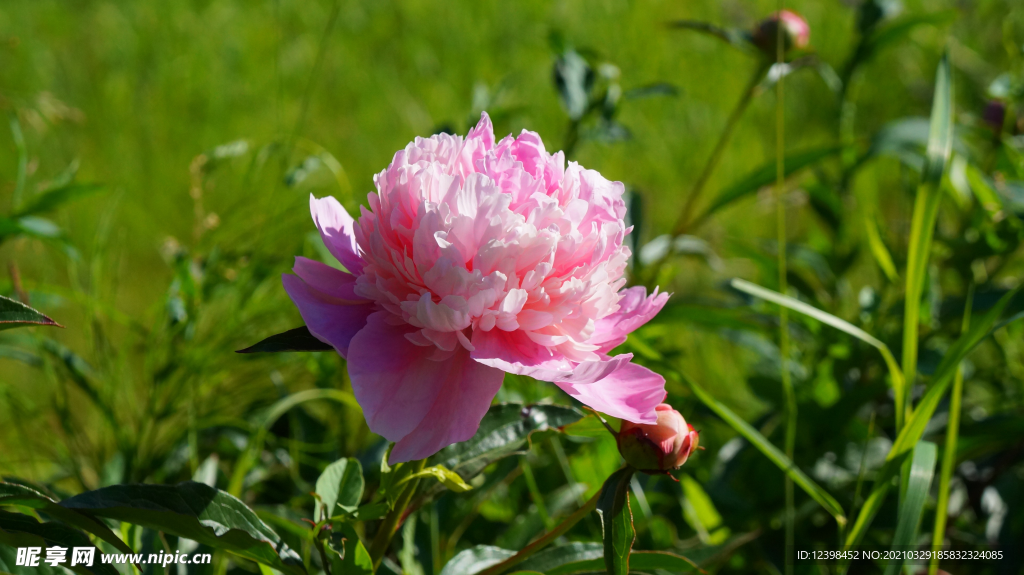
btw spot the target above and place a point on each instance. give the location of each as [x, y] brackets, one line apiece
[208, 123]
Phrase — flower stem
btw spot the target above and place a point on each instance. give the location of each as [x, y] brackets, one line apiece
[683, 223]
[382, 540]
[544, 541]
[780, 226]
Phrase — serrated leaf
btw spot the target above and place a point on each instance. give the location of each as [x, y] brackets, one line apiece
[14, 314]
[340, 488]
[193, 511]
[15, 494]
[504, 430]
[617, 521]
[298, 339]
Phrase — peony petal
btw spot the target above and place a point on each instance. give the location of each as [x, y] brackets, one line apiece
[590, 371]
[635, 309]
[336, 228]
[514, 352]
[332, 320]
[421, 404]
[631, 393]
[324, 278]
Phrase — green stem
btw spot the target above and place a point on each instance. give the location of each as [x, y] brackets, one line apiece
[535, 494]
[683, 223]
[544, 541]
[382, 540]
[780, 227]
[949, 453]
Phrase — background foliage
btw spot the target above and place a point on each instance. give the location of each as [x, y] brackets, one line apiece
[155, 181]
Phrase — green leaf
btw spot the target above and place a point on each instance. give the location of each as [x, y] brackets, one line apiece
[298, 339]
[899, 28]
[922, 228]
[922, 468]
[700, 513]
[475, 560]
[764, 446]
[17, 530]
[193, 511]
[53, 198]
[733, 36]
[447, 477]
[551, 560]
[639, 561]
[765, 175]
[341, 485]
[574, 79]
[617, 521]
[13, 314]
[505, 430]
[828, 319]
[878, 249]
[14, 494]
[353, 559]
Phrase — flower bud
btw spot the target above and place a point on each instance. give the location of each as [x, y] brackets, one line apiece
[795, 33]
[994, 115]
[658, 447]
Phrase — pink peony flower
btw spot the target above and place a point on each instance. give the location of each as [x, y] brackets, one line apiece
[476, 259]
[660, 447]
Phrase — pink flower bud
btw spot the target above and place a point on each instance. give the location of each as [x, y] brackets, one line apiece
[658, 447]
[795, 33]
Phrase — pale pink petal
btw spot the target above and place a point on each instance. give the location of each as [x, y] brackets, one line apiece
[410, 398]
[336, 228]
[591, 371]
[514, 352]
[631, 393]
[332, 320]
[635, 309]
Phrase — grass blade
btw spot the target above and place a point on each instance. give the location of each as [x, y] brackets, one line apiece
[944, 374]
[827, 319]
[922, 469]
[773, 453]
[926, 208]
[949, 453]
[878, 249]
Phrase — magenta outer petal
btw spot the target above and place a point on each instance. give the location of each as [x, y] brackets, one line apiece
[514, 352]
[631, 393]
[635, 309]
[328, 280]
[420, 403]
[336, 228]
[332, 320]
